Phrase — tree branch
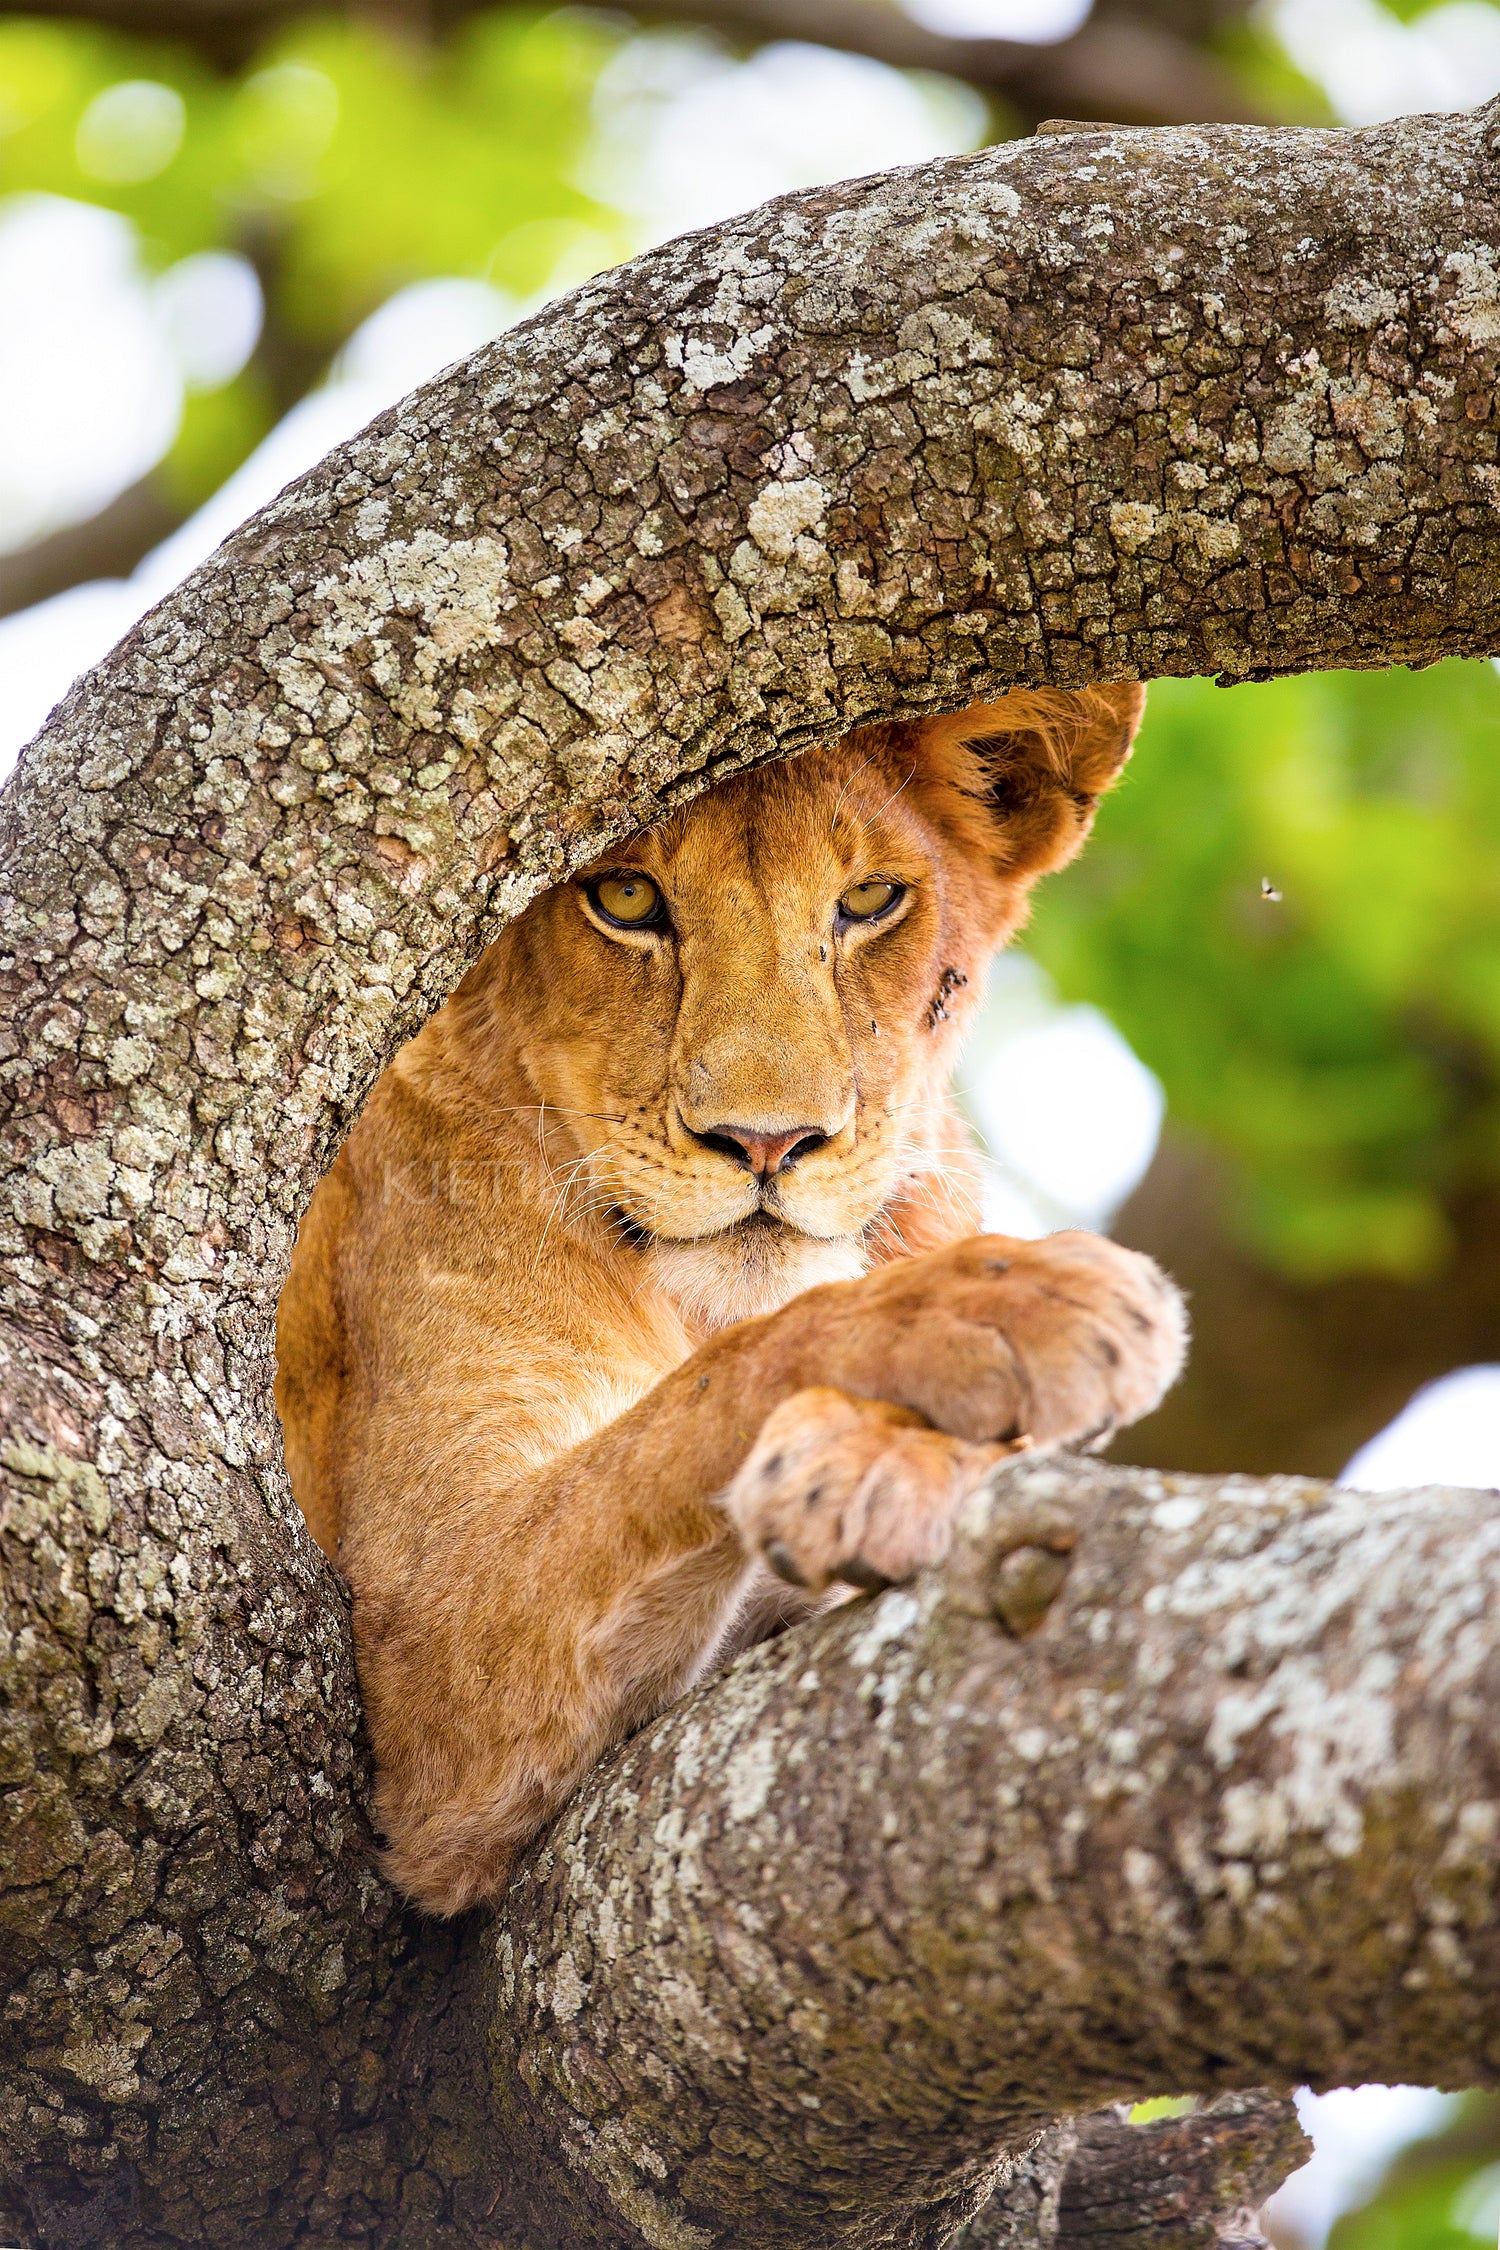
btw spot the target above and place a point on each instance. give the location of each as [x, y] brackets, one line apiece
[1180, 2183]
[1227, 1818]
[1064, 410]
[1183, 2183]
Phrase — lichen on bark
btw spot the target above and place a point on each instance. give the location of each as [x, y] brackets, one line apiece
[892, 1894]
[1105, 405]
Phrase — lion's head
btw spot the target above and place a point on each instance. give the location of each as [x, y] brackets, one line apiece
[743, 1020]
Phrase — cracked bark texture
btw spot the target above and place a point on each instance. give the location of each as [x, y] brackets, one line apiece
[1192, 2182]
[807, 1952]
[1110, 404]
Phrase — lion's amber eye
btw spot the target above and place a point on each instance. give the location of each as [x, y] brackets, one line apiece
[629, 900]
[865, 900]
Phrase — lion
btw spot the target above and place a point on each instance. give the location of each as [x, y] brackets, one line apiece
[646, 1307]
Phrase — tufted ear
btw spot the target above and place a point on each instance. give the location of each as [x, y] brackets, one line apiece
[1037, 762]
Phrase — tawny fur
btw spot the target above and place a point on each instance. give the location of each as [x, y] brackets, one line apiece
[557, 1374]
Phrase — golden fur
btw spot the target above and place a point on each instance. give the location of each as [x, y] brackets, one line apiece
[652, 1261]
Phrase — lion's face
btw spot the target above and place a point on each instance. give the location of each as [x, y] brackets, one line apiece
[743, 1020]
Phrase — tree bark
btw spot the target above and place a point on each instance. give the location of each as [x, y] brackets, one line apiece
[1194, 2182]
[896, 1892]
[1227, 1820]
[1121, 65]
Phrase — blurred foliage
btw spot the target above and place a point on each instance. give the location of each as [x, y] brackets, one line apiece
[342, 161]
[1442, 2193]
[1341, 1041]
[218, 430]
[1272, 82]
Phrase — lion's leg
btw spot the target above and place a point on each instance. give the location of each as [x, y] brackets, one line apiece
[590, 1592]
[544, 1617]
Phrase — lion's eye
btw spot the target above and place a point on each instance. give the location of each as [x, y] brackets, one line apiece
[865, 900]
[630, 900]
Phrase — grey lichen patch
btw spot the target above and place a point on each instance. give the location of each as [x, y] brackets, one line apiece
[56, 1481]
[1203, 399]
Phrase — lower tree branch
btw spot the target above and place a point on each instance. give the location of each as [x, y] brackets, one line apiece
[1230, 1816]
[1194, 2182]
[817, 1951]
[1181, 2183]
[1022, 2212]
[840, 1933]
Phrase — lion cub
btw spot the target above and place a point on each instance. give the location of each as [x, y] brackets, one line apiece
[644, 1305]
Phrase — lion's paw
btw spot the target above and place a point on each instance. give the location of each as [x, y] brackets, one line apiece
[852, 1490]
[1061, 1340]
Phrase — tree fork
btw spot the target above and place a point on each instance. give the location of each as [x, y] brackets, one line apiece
[1105, 405]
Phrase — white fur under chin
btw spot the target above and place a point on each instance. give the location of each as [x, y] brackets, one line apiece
[748, 1270]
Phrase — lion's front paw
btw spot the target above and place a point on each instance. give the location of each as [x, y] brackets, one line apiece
[837, 1488]
[1099, 1332]
[1060, 1340]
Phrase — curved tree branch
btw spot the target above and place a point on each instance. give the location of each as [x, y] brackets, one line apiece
[1075, 409]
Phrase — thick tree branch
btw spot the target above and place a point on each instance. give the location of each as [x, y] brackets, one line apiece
[1118, 404]
[1183, 2183]
[1229, 1818]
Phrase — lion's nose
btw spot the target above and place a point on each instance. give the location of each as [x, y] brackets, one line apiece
[764, 1154]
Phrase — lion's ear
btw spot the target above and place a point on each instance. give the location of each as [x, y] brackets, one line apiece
[1038, 760]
